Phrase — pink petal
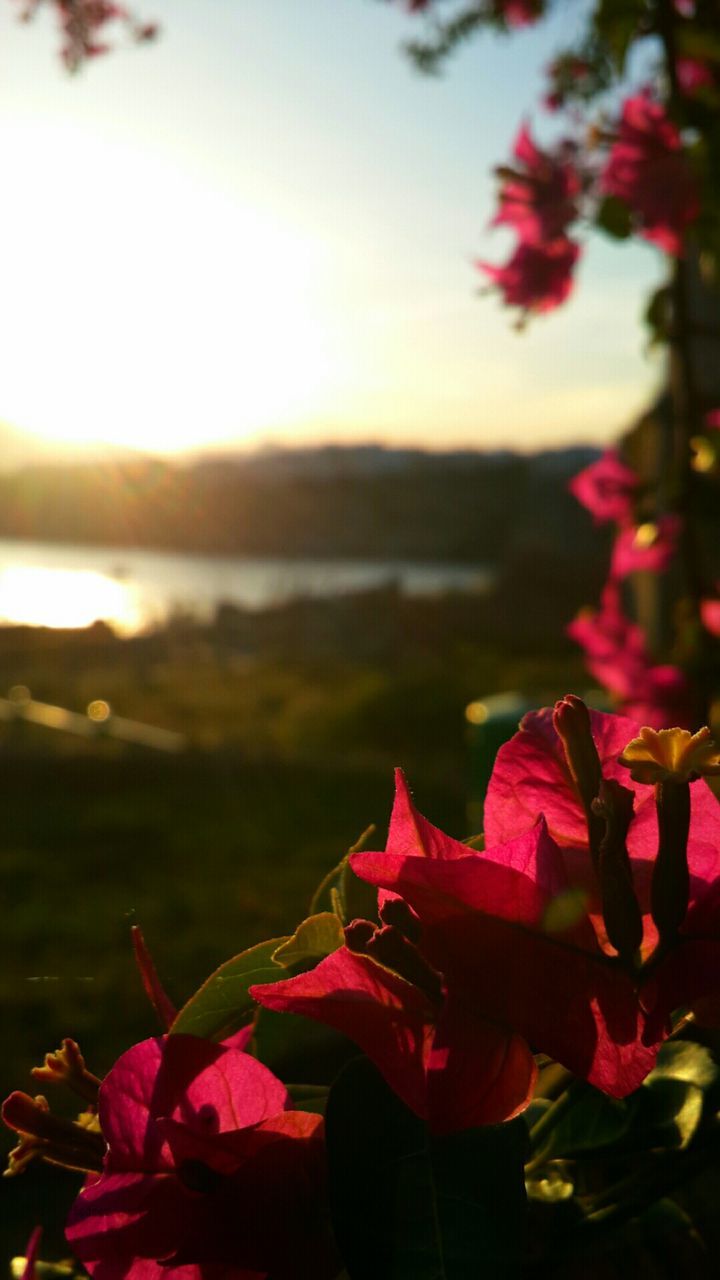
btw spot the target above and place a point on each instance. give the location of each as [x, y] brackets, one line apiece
[633, 556]
[268, 1215]
[31, 1253]
[125, 1106]
[410, 833]
[525, 150]
[566, 1002]
[606, 488]
[531, 778]
[388, 1018]
[565, 999]
[689, 973]
[208, 1087]
[124, 1217]
[212, 1089]
[478, 1073]
[240, 1040]
[515, 881]
[710, 614]
[225, 1153]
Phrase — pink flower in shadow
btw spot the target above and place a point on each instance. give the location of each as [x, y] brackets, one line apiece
[208, 1174]
[486, 925]
[649, 171]
[648, 547]
[536, 277]
[452, 1064]
[710, 614]
[616, 655]
[607, 488]
[539, 192]
[531, 777]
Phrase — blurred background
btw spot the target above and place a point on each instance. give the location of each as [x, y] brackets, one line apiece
[282, 501]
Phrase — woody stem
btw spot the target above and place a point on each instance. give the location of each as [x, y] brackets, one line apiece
[685, 419]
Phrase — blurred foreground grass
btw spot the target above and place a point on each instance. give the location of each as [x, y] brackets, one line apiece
[289, 759]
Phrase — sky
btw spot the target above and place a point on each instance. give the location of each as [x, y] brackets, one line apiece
[262, 229]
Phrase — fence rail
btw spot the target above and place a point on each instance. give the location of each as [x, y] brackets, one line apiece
[98, 721]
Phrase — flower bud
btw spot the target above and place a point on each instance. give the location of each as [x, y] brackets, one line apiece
[621, 912]
[357, 935]
[390, 948]
[48, 1137]
[571, 719]
[397, 911]
[670, 888]
[67, 1066]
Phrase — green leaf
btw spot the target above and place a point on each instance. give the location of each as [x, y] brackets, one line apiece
[685, 1060]
[669, 1112]
[408, 1205]
[343, 893]
[593, 1123]
[316, 937]
[671, 1099]
[535, 1111]
[359, 898]
[658, 315]
[223, 1005]
[618, 22]
[695, 42]
[476, 842]
[614, 217]
[309, 1097]
[297, 1048]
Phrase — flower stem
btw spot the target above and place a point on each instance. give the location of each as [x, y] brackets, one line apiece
[543, 1127]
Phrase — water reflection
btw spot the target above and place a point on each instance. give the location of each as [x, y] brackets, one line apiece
[65, 598]
[59, 585]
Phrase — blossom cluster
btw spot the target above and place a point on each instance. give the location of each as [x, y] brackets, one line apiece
[645, 169]
[591, 915]
[83, 24]
[538, 199]
[616, 650]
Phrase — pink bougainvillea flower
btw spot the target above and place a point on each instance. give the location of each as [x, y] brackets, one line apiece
[82, 21]
[712, 419]
[649, 171]
[710, 615]
[607, 488]
[510, 961]
[538, 192]
[566, 74]
[616, 655]
[693, 75]
[452, 1066]
[208, 1175]
[532, 776]
[536, 277]
[648, 547]
[520, 13]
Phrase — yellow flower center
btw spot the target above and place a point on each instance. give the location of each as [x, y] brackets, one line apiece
[675, 755]
[646, 535]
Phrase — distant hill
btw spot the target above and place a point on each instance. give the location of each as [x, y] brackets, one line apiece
[23, 449]
[364, 501]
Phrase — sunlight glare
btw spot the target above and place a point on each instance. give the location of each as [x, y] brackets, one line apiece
[39, 597]
[168, 315]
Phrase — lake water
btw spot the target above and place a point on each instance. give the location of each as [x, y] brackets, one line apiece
[58, 585]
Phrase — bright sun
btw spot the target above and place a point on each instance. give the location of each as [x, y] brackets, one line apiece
[154, 313]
